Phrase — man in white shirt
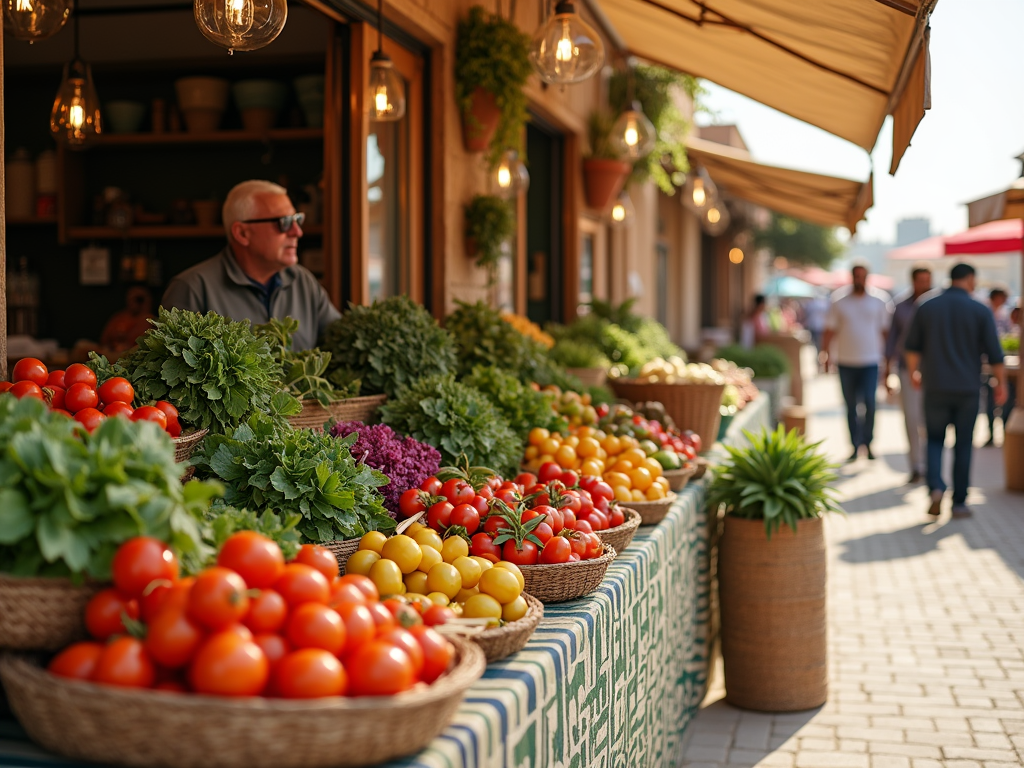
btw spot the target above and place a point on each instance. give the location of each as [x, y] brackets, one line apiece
[858, 322]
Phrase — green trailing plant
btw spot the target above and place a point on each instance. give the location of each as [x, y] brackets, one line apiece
[599, 132]
[765, 360]
[303, 374]
[522, 406]
[456, 419]
[777, 477]
[578, 354]
[389, 346]
[490, 222]
[494, 54]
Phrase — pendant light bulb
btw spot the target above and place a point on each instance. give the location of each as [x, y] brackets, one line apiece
[511, 177]
[566, 49]
[32, 20]
[386, 93]
[75, 116]
[716, 219]
[240, 25]
[622, 210]
[634, 134]
[699, 192]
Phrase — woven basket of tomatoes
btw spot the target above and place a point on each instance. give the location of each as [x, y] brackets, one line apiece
[500, 642]
[621, 536]
[253, 662]
[42, 613]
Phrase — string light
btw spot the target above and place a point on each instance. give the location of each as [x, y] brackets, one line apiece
[387, 90]
[240, 25]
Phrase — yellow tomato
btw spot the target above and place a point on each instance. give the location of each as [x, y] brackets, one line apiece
[453, 548]
[361, 562]
[625, 466]
[583, 432]
[500, 584]
[481, 607]
[387, 577]
[640, 478]
[635, 456]
[404, 550]
[428, 537]
[592, 467]
[663, 482]
[438, 598]
[470, 571]
[653, 467]
[416, 582]
[531, 452]
[566, 456]
[655, 493]
[550, 446]
[431, 557]
[612, 445]
[617, 478]
[538, 435]
[622, 493]
[418, 600]
[465, 594]
[415, 528]
[483, 562]
[587, 447]
[571, 440]
[373, 541]
[637, 495]
[515, 610]
[443, 577]
[628, 442]
[514, 569]
[545, 458]
[602, 454]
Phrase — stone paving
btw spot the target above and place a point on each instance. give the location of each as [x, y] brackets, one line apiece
[926, 623]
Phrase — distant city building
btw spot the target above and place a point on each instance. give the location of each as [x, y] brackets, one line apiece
[912, 230]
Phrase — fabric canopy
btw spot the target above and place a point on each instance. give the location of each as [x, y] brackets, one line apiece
[1002, 236]
[842, 65]
[825, 200]
[922, 250]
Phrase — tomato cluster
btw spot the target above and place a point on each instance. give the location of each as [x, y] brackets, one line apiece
[75, 394]
[252, 625]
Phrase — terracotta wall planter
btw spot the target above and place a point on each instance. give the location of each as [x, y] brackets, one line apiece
[603, 181]
[481, 121]
[773, 605]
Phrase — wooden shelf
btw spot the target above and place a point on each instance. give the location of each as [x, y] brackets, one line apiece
[34, 221]
[214, 137]
[160, 232]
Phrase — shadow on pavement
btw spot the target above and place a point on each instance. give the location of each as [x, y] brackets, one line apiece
[909, 542]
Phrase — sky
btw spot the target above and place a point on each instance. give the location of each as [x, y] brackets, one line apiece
[964, 148]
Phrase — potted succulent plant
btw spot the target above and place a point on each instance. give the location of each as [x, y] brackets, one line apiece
[771, 571]
[490, 221]
[604, 171]
[492, 64]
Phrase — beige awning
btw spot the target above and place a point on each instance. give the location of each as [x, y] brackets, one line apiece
[842, 65]
[826, 200]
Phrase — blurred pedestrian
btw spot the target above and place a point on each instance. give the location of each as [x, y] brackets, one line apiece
[755, 327]
[816, 312]
[858, 321]
[947, 339]
[997, 299]
[910, 397]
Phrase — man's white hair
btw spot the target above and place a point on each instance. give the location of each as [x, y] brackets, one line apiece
[241, 203]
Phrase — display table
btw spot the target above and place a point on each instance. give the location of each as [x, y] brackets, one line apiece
[608, 680]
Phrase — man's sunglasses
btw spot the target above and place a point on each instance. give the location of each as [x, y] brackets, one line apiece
[284, 222]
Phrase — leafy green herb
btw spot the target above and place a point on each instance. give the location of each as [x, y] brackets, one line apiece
[283, 529]
[457, 420]
[390, 345]
[578, 354]
[523, 407]
[490, 221]
[69, 499]
[303, 472]
[303, 373]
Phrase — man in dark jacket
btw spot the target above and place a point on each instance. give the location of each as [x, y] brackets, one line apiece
[944, 346]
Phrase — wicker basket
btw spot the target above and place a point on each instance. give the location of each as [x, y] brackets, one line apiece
[653, 512]
[43, 614]
[620, 536]
[343, 550]
[504, 641]
[314, 415]
[691, 406]
[186, 445]
[151, 729]
[591, 377]
[701, 465]
[566, 581]
[678, 478]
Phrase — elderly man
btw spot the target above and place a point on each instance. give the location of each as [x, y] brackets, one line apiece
[257, 276]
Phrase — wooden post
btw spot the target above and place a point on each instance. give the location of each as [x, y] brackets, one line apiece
[3, 221]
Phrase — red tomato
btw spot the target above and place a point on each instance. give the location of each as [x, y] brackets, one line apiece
[568, 518]
[431, 485]
[254, 557]
[90, 418]
[309, 673]
[411, 502]
[218, 598]
[526, 479]
[267, 612]
[467, 516]
[274, 647]
[382, 617]
[598, 521]
[140, 561]
[595, 547]
[228, 664]
[30, 369]
[457, 491]
[494, 523]
[118, 408]
[365, 585]
[346, 593]
[616, 517]
[149, 413]
[124, 662]
[440, 515]
[61, 411]
[571, 500]
[437, 652]
[22, 389]
[510, 496]
[479, 502]
[103, 614]
[525, 556]
[556, 551]
[379, 668]
[169, 410]
[77, 662]
[570, 478]
[404, 639]
[56, 379]
[549, 471]
[543, 532]
[81, 396]
[173, 427]
[486, 492]
[172, 639]
[579, 546]
[482, 545]
[79, 374]
[164, 594]
[584, 526]
[320, 558]
[54, 397]
[312, 625]
[300, 583]
[437, 614]
[5, 386]
[117, 390]
[359, 625]
[603, 490]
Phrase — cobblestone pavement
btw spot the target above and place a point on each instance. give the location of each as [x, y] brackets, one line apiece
[926, 624]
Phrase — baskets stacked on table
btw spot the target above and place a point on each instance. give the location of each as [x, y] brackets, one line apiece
[653, 512]
[503, 641]
[314, 415]
[566, 581]
[620, 536]
[691, 406]
[678, 478]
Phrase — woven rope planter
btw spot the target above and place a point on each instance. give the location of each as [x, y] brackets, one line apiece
[691, 406]
[503, 641]
[314, 415]
[773, 615]
[42, 614]
[620, 536]
[566, 581]
[186, 445]
[151, 729]
[678, 478]
[653, 512]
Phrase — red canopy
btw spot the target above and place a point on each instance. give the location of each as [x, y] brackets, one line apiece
[818, 276]
[1003, 236]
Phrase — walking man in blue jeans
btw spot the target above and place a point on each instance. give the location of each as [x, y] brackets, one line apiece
[943, 349]
[858, 322]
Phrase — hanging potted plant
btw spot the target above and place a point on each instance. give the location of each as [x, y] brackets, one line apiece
[490, 221]
[604, 171]
[771, 571]
[492, 64]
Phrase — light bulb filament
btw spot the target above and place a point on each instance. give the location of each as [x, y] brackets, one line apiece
[504, 177]
[24, 6]
[76, 116]
[632, 135]
[619, 212]
[700, 196]
[238, 16]
[380, 101]
[565, 50]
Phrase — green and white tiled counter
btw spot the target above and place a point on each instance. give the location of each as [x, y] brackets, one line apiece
[607, 681]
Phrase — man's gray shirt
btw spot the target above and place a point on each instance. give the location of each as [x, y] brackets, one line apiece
[219, 285]
[901, 319]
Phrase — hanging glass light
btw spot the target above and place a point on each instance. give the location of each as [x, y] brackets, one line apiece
[566, 49]
[32, 20]
[75, 116]
[633, 133]
[387, 89]
[622, 210]
[699, 192]
[716, 219]
[240, 25]
[511, 176]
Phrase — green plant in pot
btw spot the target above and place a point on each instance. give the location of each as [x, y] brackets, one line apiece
[604, 170]
[772, 570]
[492, 64]
[490, 222]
